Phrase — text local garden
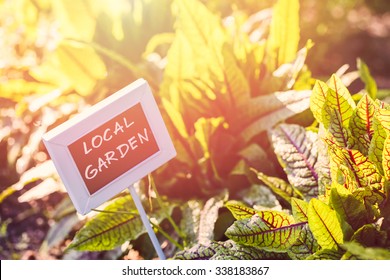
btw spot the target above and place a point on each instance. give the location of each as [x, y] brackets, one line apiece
[114, 148]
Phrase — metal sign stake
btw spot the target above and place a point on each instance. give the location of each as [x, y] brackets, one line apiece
[146, 222]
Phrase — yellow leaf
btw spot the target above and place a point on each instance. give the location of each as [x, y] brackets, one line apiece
[176, 118]
[76, 19]
[72, 65]
[284, 33]
[18, 89]
[204, 129]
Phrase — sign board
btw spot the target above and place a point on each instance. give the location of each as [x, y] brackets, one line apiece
[109, 146]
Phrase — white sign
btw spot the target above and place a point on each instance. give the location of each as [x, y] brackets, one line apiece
[109, 146]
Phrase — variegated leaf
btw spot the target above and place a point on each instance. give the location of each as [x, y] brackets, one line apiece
[275, 219]
[339, 99]
[383, 116]
[260, 232]
[324, 225]
[113, 227]
[361, 123]
[297, 150]
[239, 210]
[337, 130]
[304, 246]
[278, 186]
[386, 158]
[299, 209]
[357, 170]
[369, 195]
[228, 250]
[371, 198]
[349, 208]
[375, 151]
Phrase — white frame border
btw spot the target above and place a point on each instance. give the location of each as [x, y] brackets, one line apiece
[58, 139]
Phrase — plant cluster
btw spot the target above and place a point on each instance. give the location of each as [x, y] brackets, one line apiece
[338, 187]
[271, 163]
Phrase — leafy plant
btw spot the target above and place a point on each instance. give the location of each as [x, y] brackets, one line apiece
[345, 215]
[213, 86]
[220, 86]
[221, 83]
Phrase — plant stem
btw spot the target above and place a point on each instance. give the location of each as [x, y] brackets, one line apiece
[167, 236]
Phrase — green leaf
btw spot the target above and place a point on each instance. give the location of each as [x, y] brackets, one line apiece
[369, 236]
[278, 186]
[296, 149]
[365, 75]
[348, 207]
[324, 224]
[271, 230]
[318, 99]
[304, 246]
[375, 151]
[361, 123]
[284, 32]
[326, 254]
[111, 228]
[200, 26]
[71, 24]
[204, 129]
[370, 196]
[177, 70]
[18, 89]
[240, 210]
[176, 118]
[299, 209]
[363, 253]
[340, 100]
[227, 250]
[215, 59]
[386, 158]
[73, 64]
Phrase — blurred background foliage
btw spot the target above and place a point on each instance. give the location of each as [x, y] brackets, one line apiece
[59, 57]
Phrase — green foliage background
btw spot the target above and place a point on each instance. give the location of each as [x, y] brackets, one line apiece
[254, 129]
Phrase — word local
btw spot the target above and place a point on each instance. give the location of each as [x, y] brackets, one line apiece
[113, 155]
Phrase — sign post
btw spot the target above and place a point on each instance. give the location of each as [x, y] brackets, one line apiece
[110, 146]
[146, 223]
